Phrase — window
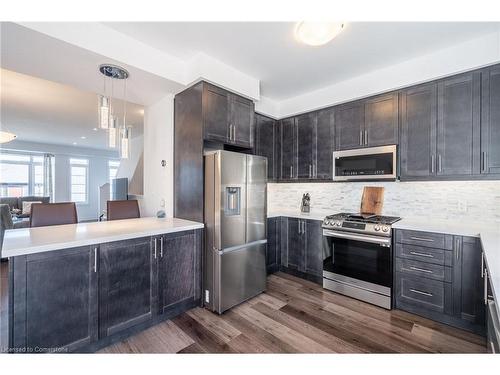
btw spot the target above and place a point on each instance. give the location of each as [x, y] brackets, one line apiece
[79, 180]
[21, 174]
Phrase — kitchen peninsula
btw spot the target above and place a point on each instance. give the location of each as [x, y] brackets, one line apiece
[80, 287]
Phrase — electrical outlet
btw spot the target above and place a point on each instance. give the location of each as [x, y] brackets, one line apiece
[462, 206]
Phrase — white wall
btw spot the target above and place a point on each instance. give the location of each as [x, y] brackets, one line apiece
[98, 172]
[128, 167]
[158, 146]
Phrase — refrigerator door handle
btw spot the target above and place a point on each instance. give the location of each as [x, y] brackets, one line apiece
[239, 247]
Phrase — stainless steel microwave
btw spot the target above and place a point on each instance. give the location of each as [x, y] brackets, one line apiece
[373, 163]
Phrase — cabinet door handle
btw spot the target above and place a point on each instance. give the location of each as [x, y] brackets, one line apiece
[433, 161]
[291, 171]
[366, 137]
[421, 292]
[457, 249]
[483, 161]
[155, 247]
[310, 171]
[95, 259]
[234, 133]
[421, 254]
[314, 171]
[439, 163]
[422, 239]
[420, 269]
[482, 264]
[485, 286]
[161, 247]
[300, 227]
[361, 138]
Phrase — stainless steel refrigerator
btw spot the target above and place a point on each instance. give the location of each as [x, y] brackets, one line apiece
[235, 228]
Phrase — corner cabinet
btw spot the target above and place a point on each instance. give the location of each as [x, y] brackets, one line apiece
[266, 136]
[82, 299]
[439, 276]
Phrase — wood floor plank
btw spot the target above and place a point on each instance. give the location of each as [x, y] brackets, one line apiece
[257, 334]
[268, 300]
[206, 339]
[214, 323]
[295, 339]
[243, 344]
[194, 348]
[335, 344]
[444, 343]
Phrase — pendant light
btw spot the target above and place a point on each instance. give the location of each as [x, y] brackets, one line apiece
[107, 119]
[112, 130]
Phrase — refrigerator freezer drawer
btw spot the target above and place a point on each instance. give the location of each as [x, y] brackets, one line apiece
[242, 274]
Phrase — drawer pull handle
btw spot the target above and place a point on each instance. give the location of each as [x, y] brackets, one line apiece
[421, 254]
[420, 269]
[422, 239]
[420, 292]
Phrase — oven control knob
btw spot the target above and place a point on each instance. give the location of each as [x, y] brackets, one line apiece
[385, 228]
[338, 223]
[377, 228]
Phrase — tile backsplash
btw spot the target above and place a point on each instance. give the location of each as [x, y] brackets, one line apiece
[479, 200]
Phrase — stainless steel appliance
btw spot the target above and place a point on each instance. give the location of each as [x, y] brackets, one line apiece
[235, 228]
[373, 163]
[357, 256]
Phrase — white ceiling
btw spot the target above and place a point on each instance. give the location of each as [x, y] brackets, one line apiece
[286, 68]
[29, 52]
[37, 110]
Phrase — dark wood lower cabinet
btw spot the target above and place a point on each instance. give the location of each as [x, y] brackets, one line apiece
[440, 279]
[179, 270]
[53, 305]
[301, 248]
[273, 252]
[127, 285]
[81, 299]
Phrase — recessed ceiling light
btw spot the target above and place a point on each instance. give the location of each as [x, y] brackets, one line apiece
[318, 33]
[83, 137]
[74, 143]
[95, 129]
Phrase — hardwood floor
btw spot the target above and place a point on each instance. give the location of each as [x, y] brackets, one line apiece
[297, 316]
[293, 316]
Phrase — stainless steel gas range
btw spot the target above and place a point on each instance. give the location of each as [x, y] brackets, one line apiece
[358, 256]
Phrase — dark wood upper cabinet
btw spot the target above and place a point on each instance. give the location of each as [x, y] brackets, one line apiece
[458, 125]
[265, 143]
[324, 144]
[288, 149]
[241, 119]
[490, 121]
[306, 143]
[127, 284]
[228, 118]
[349, 125]
[418, 131]
[381, 120]
[216, 113]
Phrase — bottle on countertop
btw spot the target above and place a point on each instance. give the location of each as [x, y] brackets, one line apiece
[305, 205]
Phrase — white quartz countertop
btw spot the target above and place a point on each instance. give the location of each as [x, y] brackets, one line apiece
[25, 241]
[315, 214]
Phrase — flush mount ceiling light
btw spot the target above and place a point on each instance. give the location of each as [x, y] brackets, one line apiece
[6, 137]
[317, 33]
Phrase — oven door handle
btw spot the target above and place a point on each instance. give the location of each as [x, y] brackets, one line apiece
[382, 241]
